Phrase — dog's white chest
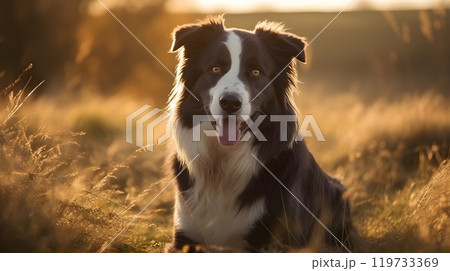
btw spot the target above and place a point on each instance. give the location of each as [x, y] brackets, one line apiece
[216, 220]
[209, 212]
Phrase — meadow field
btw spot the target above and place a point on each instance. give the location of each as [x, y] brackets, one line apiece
[377, 83]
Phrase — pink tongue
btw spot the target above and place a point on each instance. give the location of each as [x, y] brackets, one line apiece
[230, 133]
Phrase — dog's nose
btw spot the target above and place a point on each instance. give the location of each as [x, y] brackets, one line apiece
[230, 103]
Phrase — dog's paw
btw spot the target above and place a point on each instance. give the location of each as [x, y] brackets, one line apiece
[188, 248]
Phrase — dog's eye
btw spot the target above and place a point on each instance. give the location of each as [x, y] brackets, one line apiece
[216, 69]
[256, 72]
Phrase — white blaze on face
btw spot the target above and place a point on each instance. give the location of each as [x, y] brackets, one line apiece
[230, 83]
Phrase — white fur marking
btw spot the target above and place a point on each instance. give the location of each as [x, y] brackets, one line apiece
[230, 82]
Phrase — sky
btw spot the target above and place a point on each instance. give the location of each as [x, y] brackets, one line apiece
[244, 6]
[248, 6]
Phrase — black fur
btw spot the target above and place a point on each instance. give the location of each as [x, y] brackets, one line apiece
[285, 222]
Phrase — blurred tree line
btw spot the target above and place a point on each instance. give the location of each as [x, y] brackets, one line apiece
[76, 49]
[39, 32]
[71, 48]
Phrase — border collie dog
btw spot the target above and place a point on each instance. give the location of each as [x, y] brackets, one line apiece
[236, 192]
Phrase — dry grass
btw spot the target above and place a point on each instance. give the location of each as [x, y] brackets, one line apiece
[74, 191]
[57, 195]
[385, 153]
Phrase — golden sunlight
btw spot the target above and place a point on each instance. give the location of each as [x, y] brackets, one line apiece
[239, 6]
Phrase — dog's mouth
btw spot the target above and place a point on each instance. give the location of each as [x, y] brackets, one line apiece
[229, 129]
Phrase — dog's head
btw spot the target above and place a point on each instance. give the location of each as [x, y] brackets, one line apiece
[234, 72]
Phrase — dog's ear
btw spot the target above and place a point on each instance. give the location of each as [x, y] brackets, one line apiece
[196, 35]
[181, 35]
[285, 44]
